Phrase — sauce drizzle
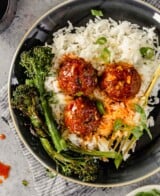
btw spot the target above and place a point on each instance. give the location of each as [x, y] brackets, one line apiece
[2, 137]
[4, 171]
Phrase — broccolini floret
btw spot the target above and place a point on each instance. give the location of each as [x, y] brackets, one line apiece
[84, 167]
[25, 99]
[37, 63]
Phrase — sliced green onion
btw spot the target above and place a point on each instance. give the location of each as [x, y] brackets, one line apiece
[147, 52]
[105, 55]
[100, 107]
[96, 12]
[80, 93]
[101, 40]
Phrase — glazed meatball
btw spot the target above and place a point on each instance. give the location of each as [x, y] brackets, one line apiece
[120, 81]
[81, 116]
[76, 76]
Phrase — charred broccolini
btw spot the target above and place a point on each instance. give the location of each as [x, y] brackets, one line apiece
[37, 63]
[84, 167]
[30, 98]
[26, 99]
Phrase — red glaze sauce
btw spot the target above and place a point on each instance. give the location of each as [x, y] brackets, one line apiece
[4, 171]
[120, 81]
[76, 76]
[2, 137]
[81, 116]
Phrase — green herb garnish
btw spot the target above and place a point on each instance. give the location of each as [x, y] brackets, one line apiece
[80, 93]
[137, 131]
[96, 12]
[147, 52]
[105, 55]
[101, 41]
[143, 125]
[118, 124]
[25, 182]
[100, 107]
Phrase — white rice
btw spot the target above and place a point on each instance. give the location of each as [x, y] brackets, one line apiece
[124, 41]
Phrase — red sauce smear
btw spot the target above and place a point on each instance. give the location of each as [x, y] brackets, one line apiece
[4, 171]
[2, 137]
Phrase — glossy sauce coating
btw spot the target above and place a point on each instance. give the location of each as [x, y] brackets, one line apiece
[81, 116]
[120, 81]
[76, 76]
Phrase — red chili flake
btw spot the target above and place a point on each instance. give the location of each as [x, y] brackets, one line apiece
[2, 137]
[4, 171]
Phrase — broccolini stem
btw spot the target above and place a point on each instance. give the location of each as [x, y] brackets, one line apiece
[85, 168]
[55, 136]
[57, 140]
[109, 154]
[52, 153]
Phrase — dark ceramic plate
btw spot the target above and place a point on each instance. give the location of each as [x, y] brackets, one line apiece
[146, 159]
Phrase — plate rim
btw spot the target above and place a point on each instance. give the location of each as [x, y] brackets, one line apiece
[18, 130]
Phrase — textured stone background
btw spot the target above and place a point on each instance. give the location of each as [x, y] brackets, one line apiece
[28, 11]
